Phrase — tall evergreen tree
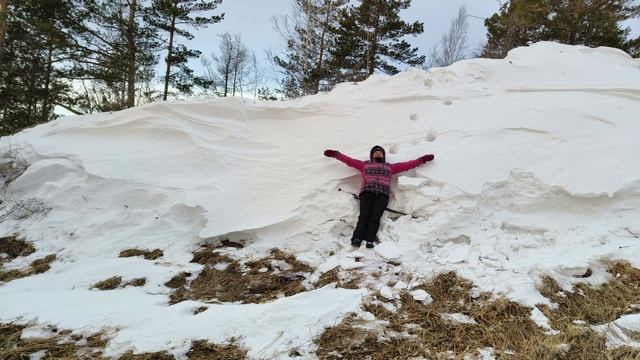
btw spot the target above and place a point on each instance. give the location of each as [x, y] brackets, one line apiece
[370, 38]
[573, 22]
[170, 16]
[634, 47]
[309, 32]
[117, 51]
[33, 61]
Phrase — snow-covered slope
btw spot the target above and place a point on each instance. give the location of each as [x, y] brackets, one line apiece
[536, 172]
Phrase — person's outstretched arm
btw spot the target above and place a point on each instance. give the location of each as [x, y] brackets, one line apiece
[408, 165]
[356, 164]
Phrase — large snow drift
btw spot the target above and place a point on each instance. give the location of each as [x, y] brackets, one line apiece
[536, 172]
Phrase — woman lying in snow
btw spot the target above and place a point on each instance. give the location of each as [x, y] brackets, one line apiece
[375, 189]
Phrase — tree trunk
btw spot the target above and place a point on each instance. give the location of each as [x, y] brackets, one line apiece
[47, 81]
[131, 56]
[317, 77]
[236, 71]
[306, 53]
[227, 70]
[4, 4]
[226, 79]
[374, 46]
[167, 74]
[234, 81]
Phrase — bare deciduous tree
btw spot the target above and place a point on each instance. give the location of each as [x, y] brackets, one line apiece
[230, 67]
[452, 45]
[256, 75]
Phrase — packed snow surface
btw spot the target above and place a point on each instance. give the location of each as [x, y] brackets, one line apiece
[536, 172]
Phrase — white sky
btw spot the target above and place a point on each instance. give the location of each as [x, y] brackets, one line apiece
[252, 19]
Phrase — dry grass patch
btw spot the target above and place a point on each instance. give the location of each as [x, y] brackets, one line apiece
[115, 282]
[202, 350]
[233, 244]
[347, 280]
[328, 277]
[225, 279]
[501, 324]
[416, 329]
[178, 280]
[160, 355]
[147, 254]
[13, 247]
[108, 284]
[59, 346]
[136, 282]
[352, 340]
[37, 266]
[594, 304]
[65, 345]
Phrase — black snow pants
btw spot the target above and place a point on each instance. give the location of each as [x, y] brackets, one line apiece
[372, 206]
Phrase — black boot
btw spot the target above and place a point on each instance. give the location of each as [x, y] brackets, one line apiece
[369, 244]
[356, 242]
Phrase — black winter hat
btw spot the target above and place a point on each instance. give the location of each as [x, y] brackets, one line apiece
[377, 147]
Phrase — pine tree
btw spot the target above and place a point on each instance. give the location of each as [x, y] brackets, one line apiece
[170, 16]
[33, 60]
[309, 32]
[634, 47]
[117, 51]
[517, 23]
[370, 38]
[573, 22]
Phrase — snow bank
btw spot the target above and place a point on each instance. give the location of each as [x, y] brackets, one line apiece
[534, 173]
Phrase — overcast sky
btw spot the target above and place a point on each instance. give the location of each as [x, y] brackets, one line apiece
[252, 19]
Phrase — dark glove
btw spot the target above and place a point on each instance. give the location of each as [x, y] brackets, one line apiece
[426, 158]
[330, 153]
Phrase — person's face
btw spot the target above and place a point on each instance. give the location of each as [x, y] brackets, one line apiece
[378, 154]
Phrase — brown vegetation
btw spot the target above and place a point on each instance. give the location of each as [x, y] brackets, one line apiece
[147, 254]
[178, 280]
[347, 280]
[419, 330]
[14, 247]
[202, 350]
[108, 284]
[37, 266]
[225, 279]
[60, 346]
[64, 345]
[115, 282]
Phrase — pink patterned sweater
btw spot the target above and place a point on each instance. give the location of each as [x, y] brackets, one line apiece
[376, 177]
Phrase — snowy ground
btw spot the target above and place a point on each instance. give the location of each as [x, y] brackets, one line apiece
[535, 173]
